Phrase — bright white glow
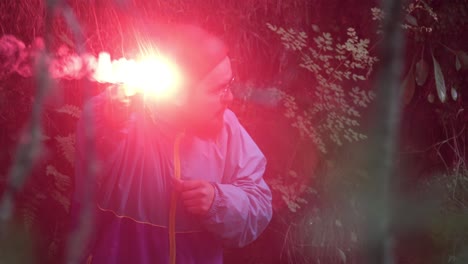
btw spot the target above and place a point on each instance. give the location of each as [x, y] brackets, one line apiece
[153, 76]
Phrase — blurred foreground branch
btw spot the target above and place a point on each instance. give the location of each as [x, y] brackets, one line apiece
[30, 141]
[80, 234]
[384, 138]
[29, 146]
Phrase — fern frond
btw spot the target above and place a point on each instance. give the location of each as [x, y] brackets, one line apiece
[62, 182]
[62, 200]
[29, 210]
[71, 110]
[53, 248]
[67, 147]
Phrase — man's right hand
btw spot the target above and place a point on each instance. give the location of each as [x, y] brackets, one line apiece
[196, 195]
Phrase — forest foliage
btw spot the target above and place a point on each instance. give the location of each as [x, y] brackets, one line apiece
[305, 91]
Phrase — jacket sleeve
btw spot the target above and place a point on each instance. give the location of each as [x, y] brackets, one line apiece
[108, 119]
[242, 207]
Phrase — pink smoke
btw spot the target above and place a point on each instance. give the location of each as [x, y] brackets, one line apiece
[16, 57]
[152, 74]
[13, 56]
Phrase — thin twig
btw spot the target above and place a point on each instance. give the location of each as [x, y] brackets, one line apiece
[98, 31]
[437, 144]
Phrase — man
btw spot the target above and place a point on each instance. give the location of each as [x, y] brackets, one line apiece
[179, 179]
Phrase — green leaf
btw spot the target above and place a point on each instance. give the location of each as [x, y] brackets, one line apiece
[411, 20]
[430, 98]
[342, 255]
[440, 82]
[315, 28]
[422, 71]
[408, 86]
[462, 59]
[454, 93]
[272, 27]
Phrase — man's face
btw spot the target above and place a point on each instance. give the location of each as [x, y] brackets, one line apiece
[209, 99]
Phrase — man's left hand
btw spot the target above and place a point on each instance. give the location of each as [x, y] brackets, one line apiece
[196, 195]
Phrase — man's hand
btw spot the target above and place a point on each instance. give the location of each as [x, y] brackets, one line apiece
[196, 195]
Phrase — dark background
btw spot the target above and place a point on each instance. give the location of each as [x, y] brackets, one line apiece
[327, 227]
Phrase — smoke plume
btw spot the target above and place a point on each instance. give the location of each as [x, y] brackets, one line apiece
[16, 57]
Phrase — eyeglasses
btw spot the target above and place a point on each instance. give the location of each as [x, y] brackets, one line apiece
[224, 92]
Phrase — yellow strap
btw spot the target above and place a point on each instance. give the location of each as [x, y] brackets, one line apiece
[173, 208]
